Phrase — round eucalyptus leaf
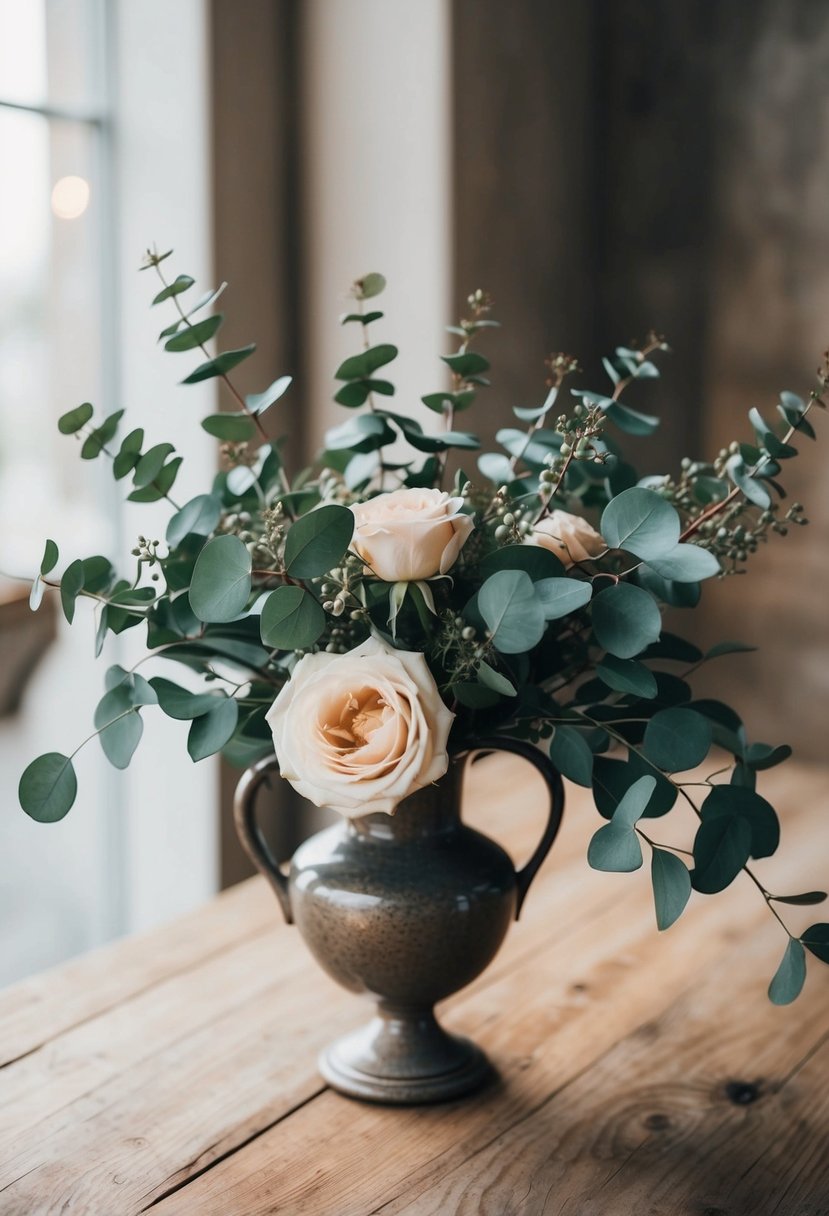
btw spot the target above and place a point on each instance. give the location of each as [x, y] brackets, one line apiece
[790, 976]
[73, 420]
[677, 739]
[627, 676]
[571, 755]
[721, 848]
[235, 428]
[221, 580]
[119, 725]
[671, 887]
[48, 787]
[317, 541]
[512, 611]
[641, 522]
[50, 557]
[180, 703]
[561, 596]
[759, 814]
[686, 564]
[625, 619]
[209, 733]
[200, 516]
[539, 563]
[291, 619]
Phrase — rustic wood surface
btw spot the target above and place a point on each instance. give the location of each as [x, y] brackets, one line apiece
[639, 1073]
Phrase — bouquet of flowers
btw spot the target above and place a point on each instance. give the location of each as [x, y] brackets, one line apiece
[376, 613]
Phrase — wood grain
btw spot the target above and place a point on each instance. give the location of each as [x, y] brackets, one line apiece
[190, 1085]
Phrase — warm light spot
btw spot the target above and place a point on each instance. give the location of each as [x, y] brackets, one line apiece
[70, 197]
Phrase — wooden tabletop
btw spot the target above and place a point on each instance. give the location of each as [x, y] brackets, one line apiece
[639, 1072]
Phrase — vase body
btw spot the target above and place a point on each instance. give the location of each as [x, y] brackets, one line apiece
[406, 909]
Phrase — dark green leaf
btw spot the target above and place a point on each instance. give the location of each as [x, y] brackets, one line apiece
[150, 464]
[721, 849]
[671, 887]
[512, 611]
[220, 365]
[177, 702]
[494, 680]
[194, 335]
[71, 585]
[632, 422]
[200, 516]
[571, 755]
[677, 739]
[257, 403]
[806, 899]
[790, 976]
[756, 811]
[97, 573]
[467, 364]
[362, 366]
[641, 522]
[628, 676]
[316, 542]
[291, 619]
[95, 443]
[474, 696]
[723, 648]
[625, 620]
[73, 420]
[537, 562]
[361, 318]
[159, 486]
[128, 454]
[221, 580]
[816, 939]
[209, 733]
[48, 787]
[761, 756]
[50, 557]
[235, 428]
[174, 289]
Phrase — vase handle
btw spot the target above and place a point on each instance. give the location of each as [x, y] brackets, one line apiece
[250, 834]
[555, 788]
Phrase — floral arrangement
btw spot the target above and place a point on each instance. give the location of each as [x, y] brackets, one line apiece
[374, 614]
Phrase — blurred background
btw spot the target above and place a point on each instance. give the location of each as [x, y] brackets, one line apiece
[600, 168]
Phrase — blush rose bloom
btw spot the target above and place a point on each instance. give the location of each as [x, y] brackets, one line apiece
[409, 535]
[359, 732]
[568, 536]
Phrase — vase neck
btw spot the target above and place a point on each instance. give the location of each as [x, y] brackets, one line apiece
[428, 812]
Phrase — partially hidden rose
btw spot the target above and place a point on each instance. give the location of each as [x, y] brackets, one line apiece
[568, 536]
[359, 732]
[408, 535]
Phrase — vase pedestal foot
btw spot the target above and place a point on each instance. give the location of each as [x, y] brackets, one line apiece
[403, 1057]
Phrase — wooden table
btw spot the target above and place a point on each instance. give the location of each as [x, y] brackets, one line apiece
[639, 1073]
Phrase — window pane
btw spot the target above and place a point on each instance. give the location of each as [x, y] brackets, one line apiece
[50, 312]
[50, 53]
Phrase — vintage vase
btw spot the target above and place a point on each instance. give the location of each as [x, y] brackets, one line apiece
[407, 909]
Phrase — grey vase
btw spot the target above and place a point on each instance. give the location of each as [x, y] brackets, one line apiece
[405, 908]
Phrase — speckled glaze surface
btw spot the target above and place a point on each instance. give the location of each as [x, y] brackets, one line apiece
[407, 909]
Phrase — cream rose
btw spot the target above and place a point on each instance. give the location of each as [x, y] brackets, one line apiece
[568, 536]
[358, 732]
[410, 534]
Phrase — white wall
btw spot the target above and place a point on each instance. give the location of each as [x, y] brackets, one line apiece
[377, 163]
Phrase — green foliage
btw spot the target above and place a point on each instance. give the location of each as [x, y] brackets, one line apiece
[677, 739]
[625, 620]
[721, 848]
[616, 846]
[210, 732]
[257, 403]
[291, 619]
[193, 336]
[221, 581]
[48, 787]
[317, 541]
[199, 517]
[671, 887]
[641, 522]
[790, 975]
[74, 420]
[220, 365]
[571, 755]
[512, 611]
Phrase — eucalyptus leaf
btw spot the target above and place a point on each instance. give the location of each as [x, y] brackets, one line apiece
[495, 680]
[721, 848]
[182, 283]
[257, 403]
[677, 739]
[221, 580]
[291, 619]
[362, 366]
[686, 564]
[119, 725]
[220, 365]
[561, 596]
[627, 676]
[234, 428]
[625, 620]
[571, 755]
[71, 585]
[759, 814]
[194, 336]
[199, 516]
[48, 787]
[807, 898]
[641, 522]
[73, 420]
[317, 542]
[177, 702]
[209, 733]
[790, 976]
[512, 611]
[50, 557]
[671, 887]
[816, 939]
[151, 463]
